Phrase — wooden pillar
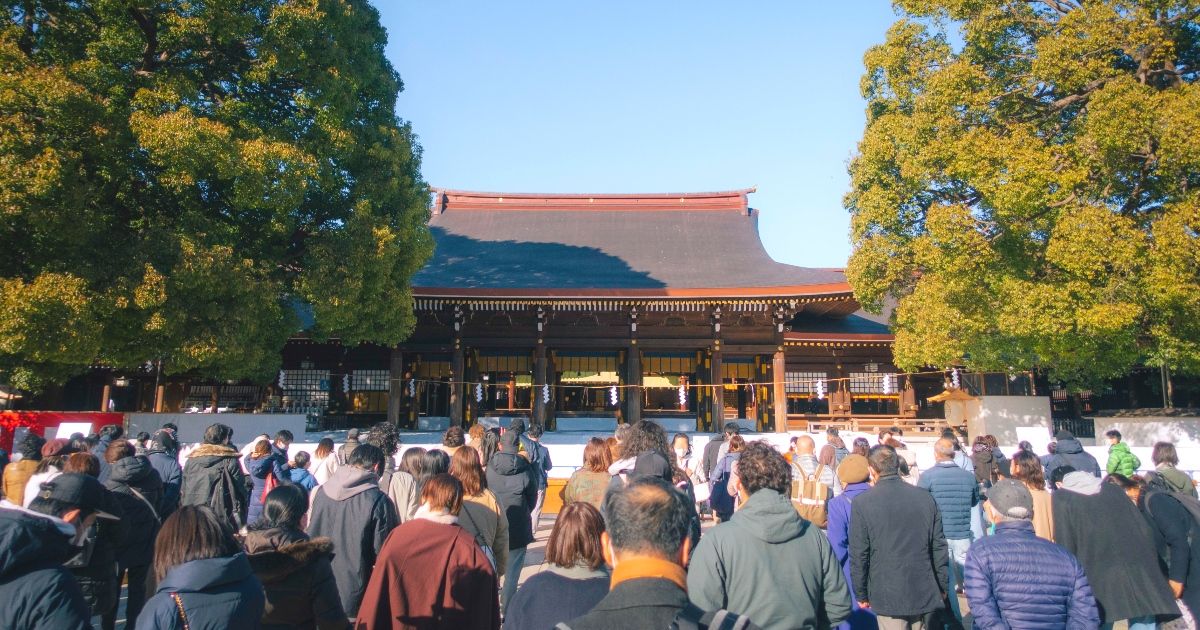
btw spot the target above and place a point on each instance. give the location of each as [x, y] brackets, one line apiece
[160, 394]
[716, 377]
[105, 396]
[540, 370]
[633, 378]
[779, 390]
[457, 377]
[395, 386]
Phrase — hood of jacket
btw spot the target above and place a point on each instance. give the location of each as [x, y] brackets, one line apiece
[202, 575]
[275, 555]
[215, 451]
[349, 481]
[1082, 482]
[508, 464]
[621, 465]
[134, 471]
[31, 540]
[1069, 446]
[770, 517]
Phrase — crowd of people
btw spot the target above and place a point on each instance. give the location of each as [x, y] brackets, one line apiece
[361, 535]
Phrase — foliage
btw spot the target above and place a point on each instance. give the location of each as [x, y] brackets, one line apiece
[1027, 188]
[177, 176]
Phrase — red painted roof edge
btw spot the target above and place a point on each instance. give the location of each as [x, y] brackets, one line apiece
[520, 195]
[833, 289]
[825, 336]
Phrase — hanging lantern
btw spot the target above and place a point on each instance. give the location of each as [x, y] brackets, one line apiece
[546, 393]
[412, 388]
[955, 381]
[682, 395]
[612, 395]
[887, 384]
[820, 389]
[478, 392]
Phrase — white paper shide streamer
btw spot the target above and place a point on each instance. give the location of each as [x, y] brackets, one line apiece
[612, 395]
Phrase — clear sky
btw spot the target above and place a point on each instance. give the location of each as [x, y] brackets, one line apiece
[645, 96]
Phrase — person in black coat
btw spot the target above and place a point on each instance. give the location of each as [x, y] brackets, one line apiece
[1098, 523]
[138, 490]
[1068, 452]
[214, 478]
[1176, 536]
[898, 553]
[35, 588]
[108, 434]
[512, 479]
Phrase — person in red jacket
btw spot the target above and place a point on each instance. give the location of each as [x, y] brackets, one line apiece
[431, 573]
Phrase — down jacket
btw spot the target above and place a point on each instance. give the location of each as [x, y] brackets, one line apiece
[211, 593]
[214, 478]
[1070, 453]
[127, 478]
[1016, 580]
[296, 574]
[514, 482]
[36, 590]
[955, 491]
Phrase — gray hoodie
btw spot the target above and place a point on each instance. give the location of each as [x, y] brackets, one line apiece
[351, 511]
[770, 565]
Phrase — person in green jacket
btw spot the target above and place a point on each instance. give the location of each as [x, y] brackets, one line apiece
[1166, 460]
[766, 563]
[1121, 460]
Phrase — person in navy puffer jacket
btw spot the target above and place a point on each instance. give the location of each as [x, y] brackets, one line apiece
[1016, 580]
[956, 493]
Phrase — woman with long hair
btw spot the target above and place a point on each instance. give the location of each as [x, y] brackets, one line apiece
[589, 483]
[481, 515]
[403, 488]
[1166, 460]
[324, 461]
[860, 446]
[204, 579]
[721, 498]
[54, 456]
[646, 452]
[574, 579]
[488, 446]
[1027, 468]
[431, 573]
[295, 570]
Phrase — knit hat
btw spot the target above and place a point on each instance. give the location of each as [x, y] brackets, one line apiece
[853, 469]
[57, 446]
[1082, 482]
[1011, 498]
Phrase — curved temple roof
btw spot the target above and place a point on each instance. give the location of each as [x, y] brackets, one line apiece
[645, 245]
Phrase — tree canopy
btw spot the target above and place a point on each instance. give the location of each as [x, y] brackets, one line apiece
[179, 178]
[1027, 188]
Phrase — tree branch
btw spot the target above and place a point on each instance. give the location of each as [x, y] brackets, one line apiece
[150, 55]
[1078, 97]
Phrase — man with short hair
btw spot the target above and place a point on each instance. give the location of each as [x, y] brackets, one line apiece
[344, 451]
[511, 478]
[280, 463]
[804, 461]
[1069, 452]
[898, 556]
[1121, 460]
[213, 477]
[767, 563]
[716, 448]
[956, 493]
[647, 545]
[1016, 580]
[37, 590]
[540, 460]
[357, 516]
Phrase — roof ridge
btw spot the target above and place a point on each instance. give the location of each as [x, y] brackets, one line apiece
[549, 195]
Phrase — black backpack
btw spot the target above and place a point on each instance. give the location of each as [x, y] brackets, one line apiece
[692, 618]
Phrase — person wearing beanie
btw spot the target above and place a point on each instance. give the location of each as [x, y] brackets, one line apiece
[347, 449]
[853, 475]
[1016, 580]
[512, 479]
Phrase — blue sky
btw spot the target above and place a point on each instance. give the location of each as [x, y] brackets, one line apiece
[649, 96]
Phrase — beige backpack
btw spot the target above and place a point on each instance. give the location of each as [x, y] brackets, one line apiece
[810, 497]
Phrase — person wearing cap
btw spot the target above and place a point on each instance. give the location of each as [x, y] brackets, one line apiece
[1016, 580]
[1097, 523]
[35, 543]
[345, 450]
[512, 479]
[1069, 452]
[54, 456]
[853, 474]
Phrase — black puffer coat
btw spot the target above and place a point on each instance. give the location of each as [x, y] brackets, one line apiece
[511, 478]
[213, 477]
[98, 579]
[36, 591]
[127, 479]
[295, 571]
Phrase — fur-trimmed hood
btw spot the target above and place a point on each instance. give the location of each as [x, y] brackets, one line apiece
[213, 450]
[274, 564]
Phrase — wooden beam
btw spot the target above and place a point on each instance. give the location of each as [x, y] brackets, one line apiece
[633, 376]
[716, 377]
[395, 386]
[779, 389]
[457, 375]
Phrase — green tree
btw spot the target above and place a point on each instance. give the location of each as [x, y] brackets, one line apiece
[1027, 188]
[177, 178]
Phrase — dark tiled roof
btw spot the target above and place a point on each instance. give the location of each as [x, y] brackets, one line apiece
[616, 245]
